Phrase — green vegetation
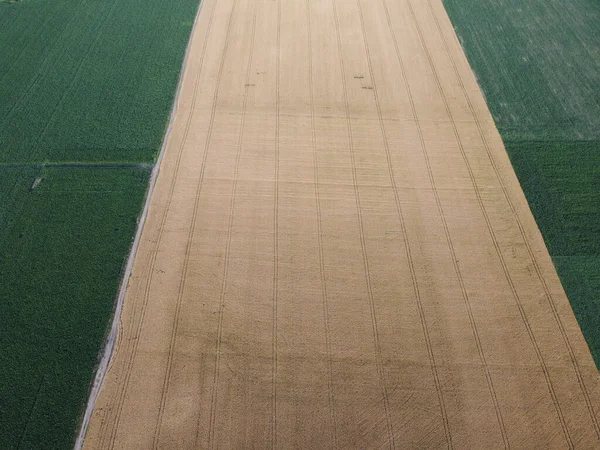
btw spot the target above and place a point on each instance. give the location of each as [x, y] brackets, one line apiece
[61, 260]
[88, 82]
[538, 63]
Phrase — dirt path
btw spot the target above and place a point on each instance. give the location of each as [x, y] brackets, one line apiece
[338, 253]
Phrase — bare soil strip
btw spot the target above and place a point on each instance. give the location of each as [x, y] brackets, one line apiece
[338, 254]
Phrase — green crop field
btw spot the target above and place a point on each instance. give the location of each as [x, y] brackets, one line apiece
[88, 83]
[538, 63]
[62, 253]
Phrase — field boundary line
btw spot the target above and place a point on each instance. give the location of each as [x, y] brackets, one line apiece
[109, 344]
[150, 272]
[508, 278]
[450, 244]
[530, 250]
[133, 354]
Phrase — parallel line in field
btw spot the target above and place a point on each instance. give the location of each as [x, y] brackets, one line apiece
[108, 165]
[276, 236]
[374, 326]
[324, 294]
[507, 276]
[402, 220]
[182, 283]
[42, 66]
[75, 76]
[40, 30]
[129, 365]
[229, 232]
[215, 385]
[449, 243]
[457, 271]
[38, 393]
[538, 271]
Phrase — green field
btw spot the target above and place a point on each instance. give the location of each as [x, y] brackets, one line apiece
[538, 63]
[91, 83]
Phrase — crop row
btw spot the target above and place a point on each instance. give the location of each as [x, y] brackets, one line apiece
[538, 63]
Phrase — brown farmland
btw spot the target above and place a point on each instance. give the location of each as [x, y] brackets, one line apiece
[338, 253]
